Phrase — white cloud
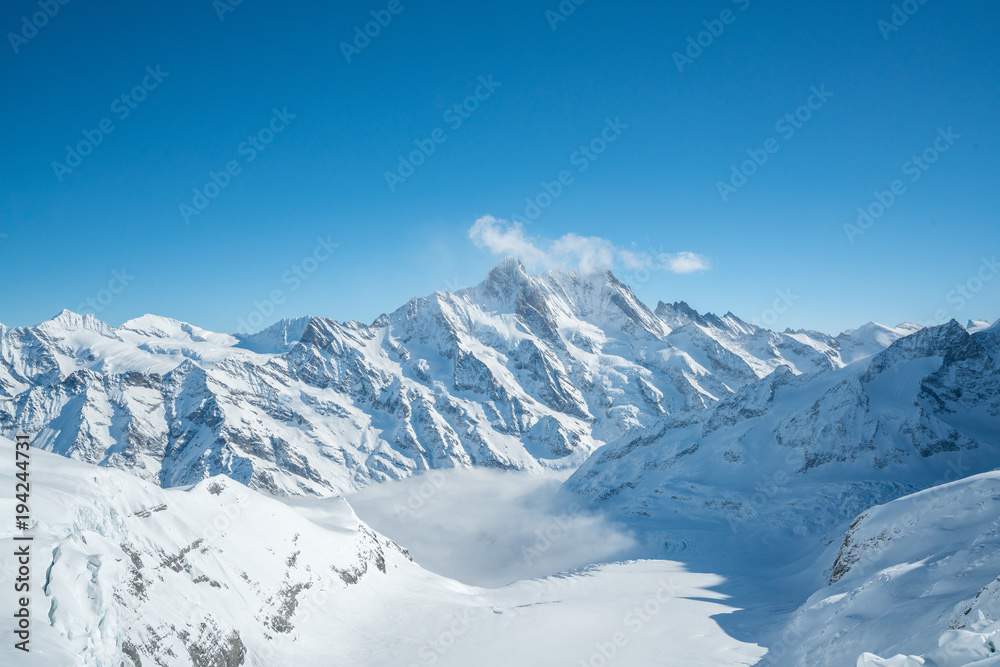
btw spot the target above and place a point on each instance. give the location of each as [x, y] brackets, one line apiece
[587, 254]
[685, 262]
[505, 239]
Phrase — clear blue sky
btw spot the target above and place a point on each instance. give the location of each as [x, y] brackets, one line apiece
[654, 189]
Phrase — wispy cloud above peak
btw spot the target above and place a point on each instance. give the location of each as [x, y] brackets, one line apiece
[505, 239]
[685, 262]
[586, 254]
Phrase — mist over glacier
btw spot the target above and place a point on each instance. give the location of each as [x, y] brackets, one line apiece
[490, 528]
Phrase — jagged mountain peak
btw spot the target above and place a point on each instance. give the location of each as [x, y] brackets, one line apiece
[872, 330]
[604, 278]
[932, 340]
[863, 341]
[975, 326]
[737, 324]
[598, 298]
[278, 337]
[508, 271]
[160, 326]
[949, 341]
[909, 326]
[68, 320]
[868, 326]
[504, 284]
[681, 306]
[678, 313]
[602, 299]
[185, 368]
[511, 276]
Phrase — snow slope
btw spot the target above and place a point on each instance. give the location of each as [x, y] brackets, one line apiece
[218, 575]
[210, 575]
[975, 326]
[916, 580]
[799, 454]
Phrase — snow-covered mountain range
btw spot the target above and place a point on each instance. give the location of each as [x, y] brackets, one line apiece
[802, 453]
[845, 446]
[519, 372]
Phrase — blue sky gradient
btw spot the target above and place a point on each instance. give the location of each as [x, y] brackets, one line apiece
[244, 168]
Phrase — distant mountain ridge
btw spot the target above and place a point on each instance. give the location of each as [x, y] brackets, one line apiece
[521, 371]
[803, 453]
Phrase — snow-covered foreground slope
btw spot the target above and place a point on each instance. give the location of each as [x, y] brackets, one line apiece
[519, 372]
[213, 575]
[219, 575]
[799, 454]
[790, 463]
[916, 580]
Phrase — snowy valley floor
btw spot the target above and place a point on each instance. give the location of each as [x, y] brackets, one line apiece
[569, 587]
